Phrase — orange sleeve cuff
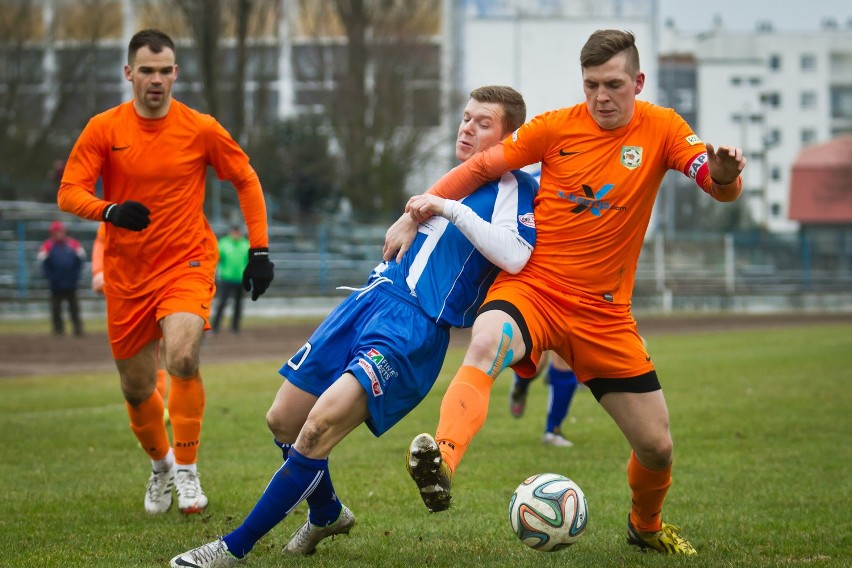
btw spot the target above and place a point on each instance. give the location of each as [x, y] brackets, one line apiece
[727, 192]
[465, 178]
[253, 206]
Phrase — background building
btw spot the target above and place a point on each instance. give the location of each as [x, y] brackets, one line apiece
[347, 107]
[772, 93]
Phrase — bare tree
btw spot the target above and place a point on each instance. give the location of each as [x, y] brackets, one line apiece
[372, 105]
[46, 94]
[204, 18]
[212, 24]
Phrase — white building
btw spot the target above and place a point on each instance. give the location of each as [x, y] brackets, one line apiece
[772, 93]
[534, 45]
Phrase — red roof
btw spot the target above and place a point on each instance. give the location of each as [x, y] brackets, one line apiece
[821, 184]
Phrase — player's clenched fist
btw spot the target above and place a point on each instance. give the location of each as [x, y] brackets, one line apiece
[130, 215]
[258, 273]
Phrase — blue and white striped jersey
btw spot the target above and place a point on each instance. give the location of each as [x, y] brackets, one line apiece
[443, 271]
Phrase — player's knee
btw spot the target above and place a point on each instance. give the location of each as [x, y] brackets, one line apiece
[283, 429]
[135, 394]
[655, 453]
[482, 351]
[182, 365]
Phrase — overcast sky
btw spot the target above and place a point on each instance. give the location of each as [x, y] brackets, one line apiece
[799, 15]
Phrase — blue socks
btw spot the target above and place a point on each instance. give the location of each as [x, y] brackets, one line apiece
[562, 387]
[299, 478]
[323, 506]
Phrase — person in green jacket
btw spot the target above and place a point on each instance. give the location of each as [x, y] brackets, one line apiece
[233, 257]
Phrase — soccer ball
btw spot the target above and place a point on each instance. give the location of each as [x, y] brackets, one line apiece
[548, 512]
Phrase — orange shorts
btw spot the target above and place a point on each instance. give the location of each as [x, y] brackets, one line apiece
[596, 338]
[132, 323]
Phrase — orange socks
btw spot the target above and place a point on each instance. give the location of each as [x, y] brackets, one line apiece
[186, 409]
[648, 488]
[146, 421]
[463, 412]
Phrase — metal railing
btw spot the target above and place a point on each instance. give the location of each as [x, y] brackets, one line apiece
[687, 272]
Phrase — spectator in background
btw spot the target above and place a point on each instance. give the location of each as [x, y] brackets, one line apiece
[56, 171]
[62, 258]
[233, 257]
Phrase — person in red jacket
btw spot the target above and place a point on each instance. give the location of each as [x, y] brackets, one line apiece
[62, 259]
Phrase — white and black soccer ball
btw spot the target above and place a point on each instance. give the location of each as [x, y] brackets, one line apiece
[548, 512]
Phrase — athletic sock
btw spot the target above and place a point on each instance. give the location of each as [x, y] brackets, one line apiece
[187, 467]
[165, 464]
[285, 448]
[322, 503]
[291, 484]
[562, 387]
[463, 412]
[146, 421]
[186, 409]
[521, 385]
[648, 488]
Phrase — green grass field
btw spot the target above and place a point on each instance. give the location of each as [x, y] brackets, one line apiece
[761, 422]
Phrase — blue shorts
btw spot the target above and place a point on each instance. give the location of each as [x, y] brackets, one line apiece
[383, 338]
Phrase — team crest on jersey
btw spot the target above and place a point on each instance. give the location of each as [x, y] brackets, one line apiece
[692, 139]
[527, 219]
[631, 157]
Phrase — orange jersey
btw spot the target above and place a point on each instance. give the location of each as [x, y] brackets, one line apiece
[597, 191]
[161, 163]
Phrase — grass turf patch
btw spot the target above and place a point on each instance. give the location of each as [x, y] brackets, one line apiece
[760, 422]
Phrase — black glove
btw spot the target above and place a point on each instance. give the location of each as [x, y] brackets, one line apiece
[130, 215]
[258, 273]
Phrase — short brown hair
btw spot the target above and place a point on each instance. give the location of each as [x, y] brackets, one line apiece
[514, 107]
[155, 40]
[603, 45]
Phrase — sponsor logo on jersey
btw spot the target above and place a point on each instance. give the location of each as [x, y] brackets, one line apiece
[692, 139]
[631, 157]
[515, 136]
[527, 219]
[383, 366]
[375, 385]
[119, 148]
[696, 164]
[591, 201]
[375, 356]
